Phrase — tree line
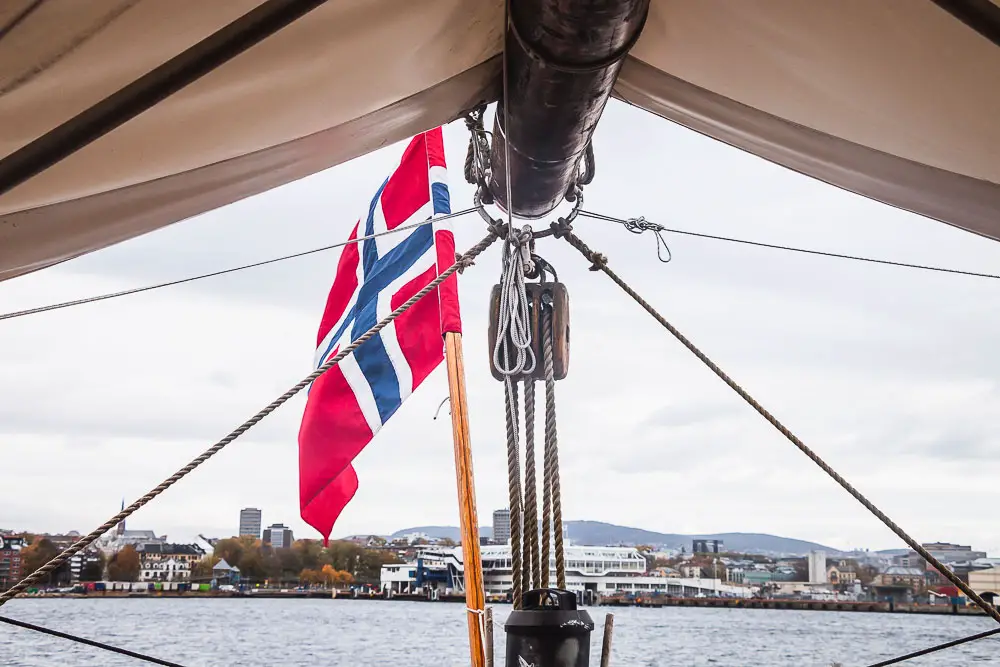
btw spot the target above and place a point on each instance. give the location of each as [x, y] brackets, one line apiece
[305, 562]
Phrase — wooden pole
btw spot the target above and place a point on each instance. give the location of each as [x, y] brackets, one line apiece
[475, 595]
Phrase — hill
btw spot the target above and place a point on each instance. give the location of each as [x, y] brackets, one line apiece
[599, 533]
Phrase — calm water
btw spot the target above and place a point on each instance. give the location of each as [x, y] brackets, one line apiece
[412, 634]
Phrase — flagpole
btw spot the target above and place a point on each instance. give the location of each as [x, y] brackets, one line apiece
[475, 595]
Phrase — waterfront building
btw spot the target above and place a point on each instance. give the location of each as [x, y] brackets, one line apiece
[184, 553]
[79, 562]
[501, 526]
[278, 536]
[10, 560]
[590, 572]
[250, 522]
[986, 583]
[165, 570]
[224, 573]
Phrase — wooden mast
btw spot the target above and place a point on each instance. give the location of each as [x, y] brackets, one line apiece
[475, 596]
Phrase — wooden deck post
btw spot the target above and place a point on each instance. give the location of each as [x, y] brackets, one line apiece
[475, 595]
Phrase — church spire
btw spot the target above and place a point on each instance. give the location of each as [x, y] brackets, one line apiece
[121, 524]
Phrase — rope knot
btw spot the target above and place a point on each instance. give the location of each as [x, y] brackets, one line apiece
[463, 262]
[598, 261]
[561, 228]
[499, 229]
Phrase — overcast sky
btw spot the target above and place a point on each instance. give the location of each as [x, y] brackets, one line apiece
[889, 373]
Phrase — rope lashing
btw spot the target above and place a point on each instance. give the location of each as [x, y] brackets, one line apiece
[88, 539]
[88, 642]
[791, 437]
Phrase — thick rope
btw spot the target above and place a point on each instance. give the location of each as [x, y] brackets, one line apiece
[530, 488]
[546, 558]
[599, 262]
[938, 647]
[88, 642]
[213, 274]
[87, 540]
[552, 447]
[514, 489]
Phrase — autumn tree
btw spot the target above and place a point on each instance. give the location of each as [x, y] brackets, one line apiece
[202, 570]
[125, 565]
[446, 542]
[230, 549]
[37, 554]
[310, 577]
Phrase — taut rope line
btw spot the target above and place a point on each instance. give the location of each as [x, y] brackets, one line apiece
[87, 540]
[599, 262]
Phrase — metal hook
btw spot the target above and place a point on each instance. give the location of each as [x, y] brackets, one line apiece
[438, 411]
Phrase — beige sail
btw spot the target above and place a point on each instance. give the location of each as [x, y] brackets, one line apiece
[897, 100]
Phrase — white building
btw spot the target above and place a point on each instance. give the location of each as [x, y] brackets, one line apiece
[589, 571]
[817, 567]
[111, 543]
[165, 570]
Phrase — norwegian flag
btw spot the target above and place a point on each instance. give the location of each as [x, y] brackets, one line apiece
[348, 404]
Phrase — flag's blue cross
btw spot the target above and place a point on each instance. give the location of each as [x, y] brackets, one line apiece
[378, 273]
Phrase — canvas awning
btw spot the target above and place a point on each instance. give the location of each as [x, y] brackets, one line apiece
[897, 100]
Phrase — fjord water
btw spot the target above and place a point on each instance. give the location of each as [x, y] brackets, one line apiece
[203, 632]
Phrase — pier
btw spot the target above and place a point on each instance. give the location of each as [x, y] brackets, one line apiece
[794, 604]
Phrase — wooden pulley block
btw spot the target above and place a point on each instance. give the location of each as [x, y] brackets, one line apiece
[552, 296]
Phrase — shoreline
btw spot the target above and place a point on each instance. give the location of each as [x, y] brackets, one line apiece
[652, 602]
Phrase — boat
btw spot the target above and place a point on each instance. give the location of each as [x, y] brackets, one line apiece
[124, 116]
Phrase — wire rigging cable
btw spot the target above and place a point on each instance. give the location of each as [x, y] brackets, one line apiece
[640, 224]
[181, 281]
[460, 262]
[600, 262]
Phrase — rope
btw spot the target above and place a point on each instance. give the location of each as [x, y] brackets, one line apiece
[939, 647]
[514, 322]
[545, 559]
[481, 622]
[530, 487]
[514, 490]
[86, 541]
[552, 447]
[600, 262]
[181, 281]
[88, 642]
[821, 253]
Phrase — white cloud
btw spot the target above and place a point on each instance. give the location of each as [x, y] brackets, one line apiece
[888, 373]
